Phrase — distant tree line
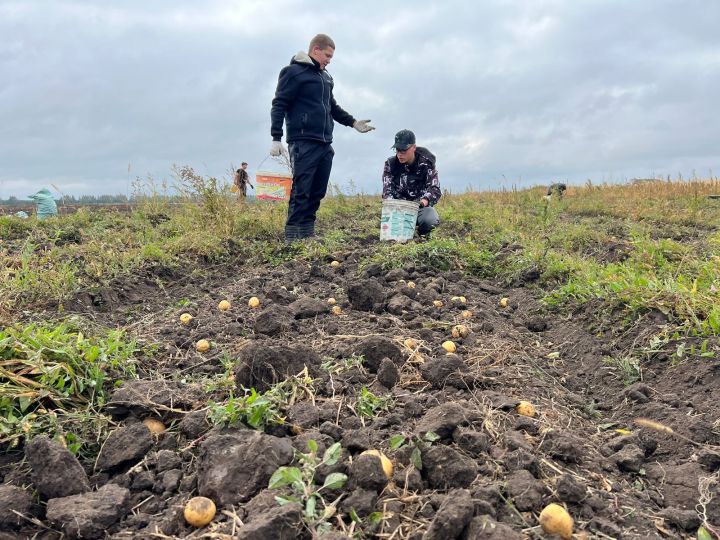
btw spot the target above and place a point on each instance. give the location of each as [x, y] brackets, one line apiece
[81, 200]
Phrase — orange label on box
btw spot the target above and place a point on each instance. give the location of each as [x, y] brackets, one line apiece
[273, 187]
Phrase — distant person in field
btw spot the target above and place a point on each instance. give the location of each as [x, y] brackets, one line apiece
[304, 101]
[242, 180]
[411, 175]
[557, 188]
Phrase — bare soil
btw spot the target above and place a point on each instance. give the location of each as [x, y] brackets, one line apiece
[489, 473]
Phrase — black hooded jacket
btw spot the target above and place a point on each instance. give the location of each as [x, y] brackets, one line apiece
[304, 100]
[414, 181]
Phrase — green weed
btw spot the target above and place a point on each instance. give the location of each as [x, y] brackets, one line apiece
[48, 370]
[628, 369]
[254, 409]
[368, 404]
[305, 491]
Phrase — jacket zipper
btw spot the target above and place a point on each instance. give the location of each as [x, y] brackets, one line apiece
[322, 82]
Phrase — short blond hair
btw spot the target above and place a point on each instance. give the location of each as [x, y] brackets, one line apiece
[321, 40]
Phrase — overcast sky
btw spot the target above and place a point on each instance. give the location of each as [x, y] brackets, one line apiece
[504, 92]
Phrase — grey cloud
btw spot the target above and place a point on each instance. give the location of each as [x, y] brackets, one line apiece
[504, 91]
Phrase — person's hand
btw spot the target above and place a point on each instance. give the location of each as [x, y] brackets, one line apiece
[278, 149]
[363, 126]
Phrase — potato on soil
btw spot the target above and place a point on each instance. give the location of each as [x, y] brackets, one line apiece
[460, 331]
[554, 519]
[411, 343]
[503, 302]
[411, 284]
[337, 310]
[458, 299]
[335, 264]
[386, 463]
[525, 408]
[438, 303]
[331, 301]
[154, 425]
[467, 314]
[449, 346]
[254, 302]
[199, 511]
[224, 305]
[185, 318]
[202, 345]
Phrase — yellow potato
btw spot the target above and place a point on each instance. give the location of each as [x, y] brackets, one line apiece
[554, 519]
[202, 345]
[337, 310]
[503, 302]
[254, 302]
[199, 511]
[410, 343]
[449, 346]
[459, 299]
[154, 425]
[411, 284]
[386, 463]
[438, 303]
[185, 318]
[467, 314]
[335, 264]
[525, 408]
[331, 301]
[224, 305]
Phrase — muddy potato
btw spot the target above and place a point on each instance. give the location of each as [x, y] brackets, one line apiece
[438, 303]
[199, 511]
[185, 318]
[335, 264]
[386, 463]
[458, 299]
[154, 425]
[411, 343]
[467, 314]
[460, 331]
[202, 345]
[331, 301]
[503, 302]
[554, 519]
[411, 284]
[254, 302]
[337, 310]
[224, 305]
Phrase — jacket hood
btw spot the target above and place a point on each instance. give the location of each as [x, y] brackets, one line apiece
[302, 58]
[44, 192]
[427, 154]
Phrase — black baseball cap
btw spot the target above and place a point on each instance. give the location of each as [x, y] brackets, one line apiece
[404, 139]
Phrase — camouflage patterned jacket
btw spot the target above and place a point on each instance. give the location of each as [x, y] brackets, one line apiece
[413, 182]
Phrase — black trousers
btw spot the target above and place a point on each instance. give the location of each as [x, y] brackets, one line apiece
[311, 163]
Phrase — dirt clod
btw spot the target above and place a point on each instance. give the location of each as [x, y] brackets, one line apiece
[89, 515]
[56, 472]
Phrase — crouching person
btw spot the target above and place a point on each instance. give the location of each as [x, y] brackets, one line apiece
[411, 175]
[557, 189]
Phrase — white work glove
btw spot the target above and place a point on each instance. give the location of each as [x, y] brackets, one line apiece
[363, 126]
[278, 149]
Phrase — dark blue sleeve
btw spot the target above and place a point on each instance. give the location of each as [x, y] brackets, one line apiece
[285, 94]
